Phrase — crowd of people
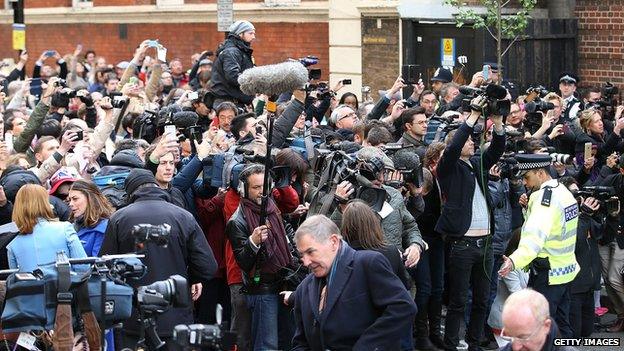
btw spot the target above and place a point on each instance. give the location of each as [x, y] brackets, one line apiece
[382, 224]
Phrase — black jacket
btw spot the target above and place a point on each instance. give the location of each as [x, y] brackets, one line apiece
[285, 123]
[187, 254]
[233, 57]
[617, 182]
[457, 182]
[587, 255]
[393, 255]
[238, 233]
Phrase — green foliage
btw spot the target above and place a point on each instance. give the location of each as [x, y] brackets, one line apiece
[512, 26]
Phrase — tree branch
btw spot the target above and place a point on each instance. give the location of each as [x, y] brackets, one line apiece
[490, 31]
[505, 3]
[510, 45]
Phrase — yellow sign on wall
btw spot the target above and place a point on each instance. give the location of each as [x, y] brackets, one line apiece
[19, 36]
[447, 52]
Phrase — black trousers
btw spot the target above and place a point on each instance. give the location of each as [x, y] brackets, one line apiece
[582, 314]
[470, 264]
[558, 297]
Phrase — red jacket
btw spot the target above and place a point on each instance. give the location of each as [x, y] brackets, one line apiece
[212, 222]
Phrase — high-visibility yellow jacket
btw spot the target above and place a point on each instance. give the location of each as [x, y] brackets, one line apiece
[550, 231]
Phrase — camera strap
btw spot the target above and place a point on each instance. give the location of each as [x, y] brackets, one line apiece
[91, 327]
[63, 339]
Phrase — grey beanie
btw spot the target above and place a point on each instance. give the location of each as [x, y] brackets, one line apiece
[239, 27]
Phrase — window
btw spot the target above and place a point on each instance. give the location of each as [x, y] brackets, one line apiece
[82, 3]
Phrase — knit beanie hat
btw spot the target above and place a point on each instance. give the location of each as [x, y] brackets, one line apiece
[136, 178]
[239, 27]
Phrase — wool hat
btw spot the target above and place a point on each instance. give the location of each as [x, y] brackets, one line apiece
[239, 27]
[136, 178]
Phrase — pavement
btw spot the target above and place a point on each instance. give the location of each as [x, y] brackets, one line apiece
[600, 332]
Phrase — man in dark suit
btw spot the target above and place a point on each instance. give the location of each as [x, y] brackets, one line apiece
[352, 299]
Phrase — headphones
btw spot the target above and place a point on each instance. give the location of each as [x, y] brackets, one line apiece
[253, 168]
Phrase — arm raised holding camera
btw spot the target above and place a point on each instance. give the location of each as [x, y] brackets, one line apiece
[22, 142]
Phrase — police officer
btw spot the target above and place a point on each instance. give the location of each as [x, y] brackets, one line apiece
[567, 85]
[548, 238]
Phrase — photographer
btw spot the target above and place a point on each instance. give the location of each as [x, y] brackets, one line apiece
[611, 249]
[400, 228]
[594, 132]
[451, 98]
[595, 221]
[187, 254]
[466, 223]
[555, 130]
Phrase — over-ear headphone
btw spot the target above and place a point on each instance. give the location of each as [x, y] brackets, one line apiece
[253, 168]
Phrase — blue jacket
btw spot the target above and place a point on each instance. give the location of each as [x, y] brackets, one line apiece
[28, 251]
[92, 238]
[367, 306]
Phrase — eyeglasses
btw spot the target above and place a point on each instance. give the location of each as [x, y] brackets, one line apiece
[351, 114]
[513, 339]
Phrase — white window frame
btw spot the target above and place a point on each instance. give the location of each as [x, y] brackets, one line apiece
[169, 3]
[81, 4]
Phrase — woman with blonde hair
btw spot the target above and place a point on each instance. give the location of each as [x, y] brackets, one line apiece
[42, 235]
[603, 143]
[90, 213]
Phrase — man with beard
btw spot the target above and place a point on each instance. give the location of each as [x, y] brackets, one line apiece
[233, 57]
[261, 251]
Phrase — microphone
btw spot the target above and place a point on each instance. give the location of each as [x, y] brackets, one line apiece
[496, 91]
[273, 79]
[406, 160]
[184, 119]
[167, 112]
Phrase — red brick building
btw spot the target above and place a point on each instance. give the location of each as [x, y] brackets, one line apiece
[365, 40]
[600, 41]
[113, 28]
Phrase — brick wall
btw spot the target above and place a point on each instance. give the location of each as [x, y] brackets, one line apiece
[380, 53]
[47, 3]
[275, 41]
[600, 41]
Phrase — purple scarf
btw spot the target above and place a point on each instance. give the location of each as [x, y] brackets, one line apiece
[276, 247]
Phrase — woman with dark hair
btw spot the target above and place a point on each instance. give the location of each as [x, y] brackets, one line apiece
[361, 228]
[42, 235]
[351, 100]
[90, 213]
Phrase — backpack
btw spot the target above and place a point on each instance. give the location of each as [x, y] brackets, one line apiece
[110, 180]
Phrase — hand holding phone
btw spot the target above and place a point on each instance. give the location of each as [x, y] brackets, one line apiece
[193, 95]
[170, 129]
[587, 152]
[486, 72]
